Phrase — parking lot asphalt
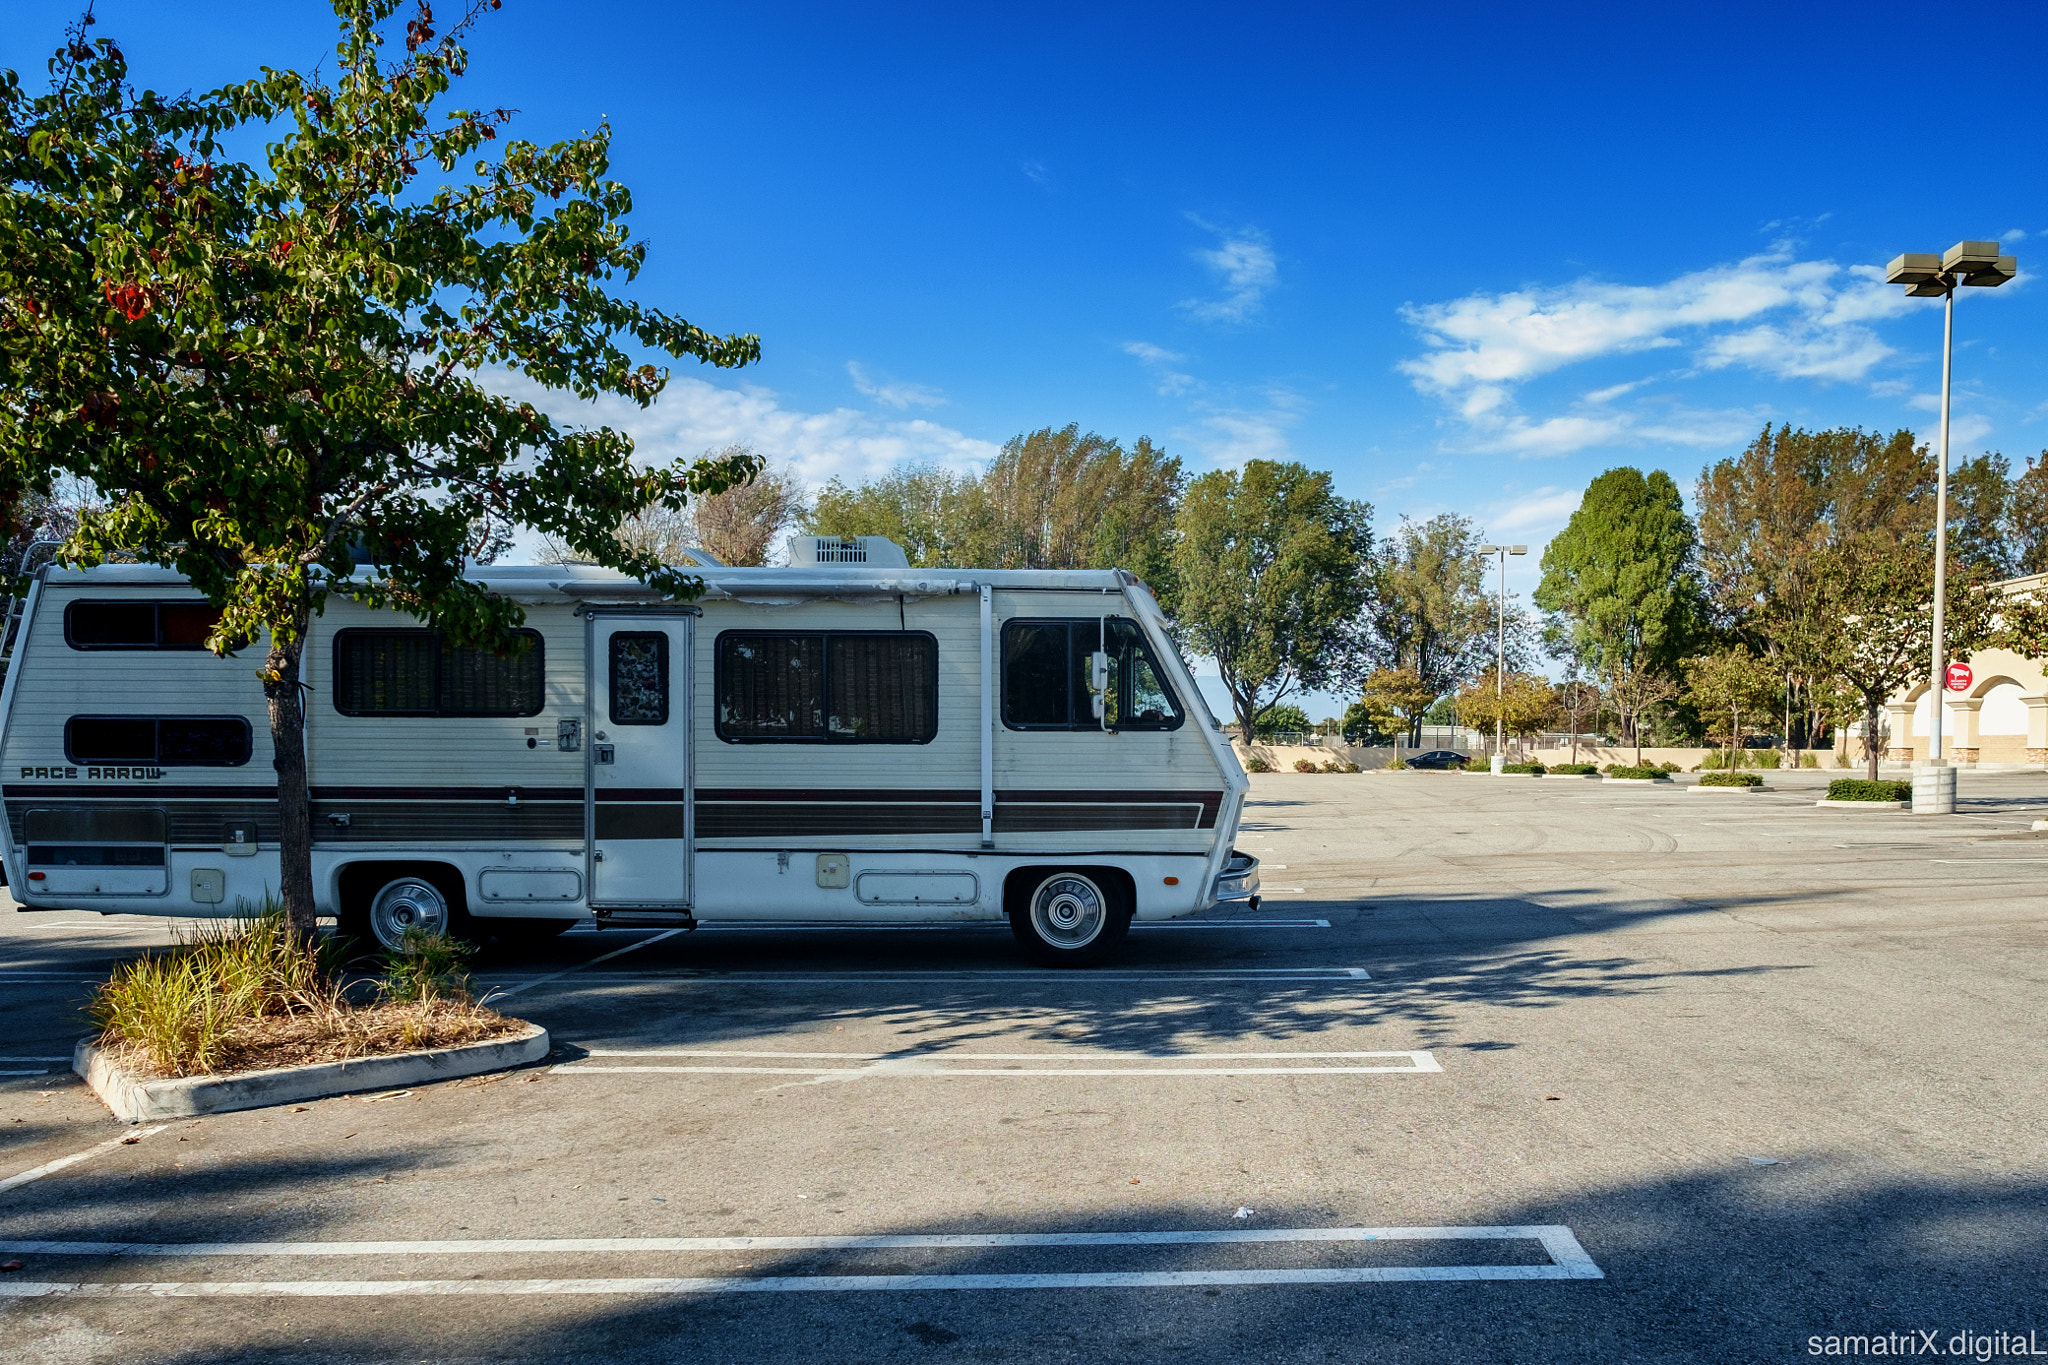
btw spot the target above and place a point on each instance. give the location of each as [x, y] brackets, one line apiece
[1502, 1070]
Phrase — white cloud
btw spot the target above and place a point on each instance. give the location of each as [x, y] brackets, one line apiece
[891, 394]
[1161, 361]
[1245, 263]
[1770, 312]
[1035, 171]
[2013, 235]
[693, 416]
[1544, 509]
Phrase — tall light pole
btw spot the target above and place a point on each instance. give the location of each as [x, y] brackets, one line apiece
[1926, 276]
[1500, 663]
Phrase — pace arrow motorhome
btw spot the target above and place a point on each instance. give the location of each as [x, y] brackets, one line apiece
[846, 740]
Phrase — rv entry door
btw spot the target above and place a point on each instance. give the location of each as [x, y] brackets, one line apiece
[639, 814]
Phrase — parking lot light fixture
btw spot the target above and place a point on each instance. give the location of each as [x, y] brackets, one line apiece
[1500, 664]
[1966, 265]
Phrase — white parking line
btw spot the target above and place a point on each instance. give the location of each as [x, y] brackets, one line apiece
[52, 1167]
[1568, 1261]
[973, 1063]
[606, 957]
[992, 926]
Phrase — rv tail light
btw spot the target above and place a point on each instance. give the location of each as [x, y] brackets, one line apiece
[35, 876]
[1173, 881]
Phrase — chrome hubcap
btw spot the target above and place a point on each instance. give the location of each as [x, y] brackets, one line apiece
[1068, 912]
[407, 904]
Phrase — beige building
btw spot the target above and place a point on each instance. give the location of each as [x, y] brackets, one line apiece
[2002, 719]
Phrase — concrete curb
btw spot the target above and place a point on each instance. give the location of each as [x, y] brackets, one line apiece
[1758, 788]
[1640, 781]
[1862, 805]
[135, 1098]
[1572, 777]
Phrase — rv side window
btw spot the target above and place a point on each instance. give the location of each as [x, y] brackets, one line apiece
[417, 673]
[639, 677]
[827, 687]
[166, 741]
[1045, 677]
[139, 625]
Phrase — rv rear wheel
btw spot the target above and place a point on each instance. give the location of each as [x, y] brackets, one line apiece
[1072, 918]
[409, 903]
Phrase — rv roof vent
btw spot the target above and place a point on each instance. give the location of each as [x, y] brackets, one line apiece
[877, 552]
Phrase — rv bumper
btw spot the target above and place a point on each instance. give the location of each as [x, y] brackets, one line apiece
[1239, 880]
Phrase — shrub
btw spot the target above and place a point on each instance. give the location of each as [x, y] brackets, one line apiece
[1731, 780]
[1397, 764]
[178, 1009]
[1842, 759]
[1573, 769]
[1666, 767]
[1255, 764]
[1809, 760]
[1718, 759]
[1646, 771]
[1305, 765]
[1536, 768]
[427, 967]
[1339, 765]
[1860, 789]
[1765, 758]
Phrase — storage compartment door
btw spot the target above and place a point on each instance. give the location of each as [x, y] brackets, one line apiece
[641, 803]
[97, 851]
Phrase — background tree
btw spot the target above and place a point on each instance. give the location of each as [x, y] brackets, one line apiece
[912, 505]
[742, 524]
[1577, 699]
[1727, 686]
[1284, 719]
[2027, 517]
[1274, 571]
[1979, 516]
[1880, 594]
[262, 368]
[1400, 697]
[1523, 703]
[1619, 586]
[1431, 610]
[1766, 514]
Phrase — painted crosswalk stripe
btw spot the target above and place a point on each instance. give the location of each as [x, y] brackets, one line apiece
[706, 1061]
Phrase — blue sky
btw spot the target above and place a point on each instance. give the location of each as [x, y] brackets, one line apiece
[1465, 259]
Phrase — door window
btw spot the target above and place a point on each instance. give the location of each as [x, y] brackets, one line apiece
[639, 677]
[1046, 668]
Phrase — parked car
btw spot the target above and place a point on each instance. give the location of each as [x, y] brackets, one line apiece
[1438, 758]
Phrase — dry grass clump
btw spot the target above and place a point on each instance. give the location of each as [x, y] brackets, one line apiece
[243, 995]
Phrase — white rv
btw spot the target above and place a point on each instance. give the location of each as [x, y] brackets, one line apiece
[845, 740]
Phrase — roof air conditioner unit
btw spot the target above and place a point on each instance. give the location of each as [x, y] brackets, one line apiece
[874, 552]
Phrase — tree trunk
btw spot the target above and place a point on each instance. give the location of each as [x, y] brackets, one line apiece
[1870, 736]
[294, 807]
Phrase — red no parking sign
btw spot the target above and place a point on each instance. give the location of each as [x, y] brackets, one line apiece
[1959, 678]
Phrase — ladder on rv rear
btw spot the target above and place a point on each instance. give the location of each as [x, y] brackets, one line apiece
[38, 553]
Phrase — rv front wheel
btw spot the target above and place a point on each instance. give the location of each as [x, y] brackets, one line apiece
[408, 903]
[1071, 918]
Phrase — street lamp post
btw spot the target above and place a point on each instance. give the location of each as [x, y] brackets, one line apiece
[1500, 661]
[1926, 276]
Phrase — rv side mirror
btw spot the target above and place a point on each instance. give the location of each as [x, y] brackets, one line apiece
[1098, 684]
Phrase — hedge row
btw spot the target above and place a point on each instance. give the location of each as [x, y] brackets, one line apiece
[1617, 770]
[1862, 789]
[1731, 780]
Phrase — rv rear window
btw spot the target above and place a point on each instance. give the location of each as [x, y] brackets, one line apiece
[417, 673]
[165, 741]
[827, 687]
[1046, 666]
[139, 625]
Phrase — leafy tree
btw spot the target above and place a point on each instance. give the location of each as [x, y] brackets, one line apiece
[1765, 515]
[2027, 517]
[1284, 719]
[912, 505]
[1274, 569]
[1518, 703]
[1727, 686]
[1401, 697]
[1619, 585]
[1432, 609]
[1879, 592]
[275, 374]
[1979, 521]
[1577, 698]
